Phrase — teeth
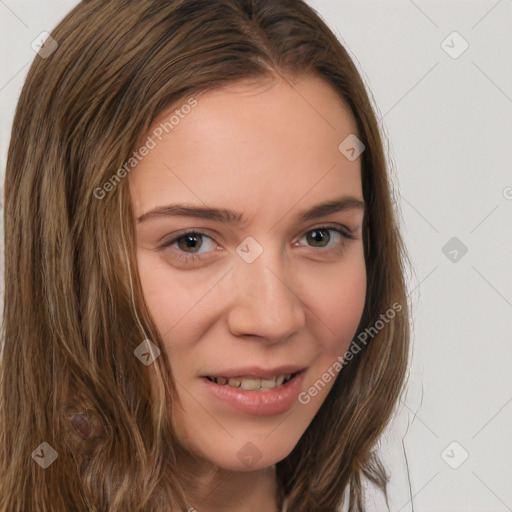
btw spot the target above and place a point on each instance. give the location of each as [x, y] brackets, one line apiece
[253, 383]
[268, 383]
[234, 382]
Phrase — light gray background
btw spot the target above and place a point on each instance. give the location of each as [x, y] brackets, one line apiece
[449, 125]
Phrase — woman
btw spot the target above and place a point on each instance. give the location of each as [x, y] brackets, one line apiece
[204, 304]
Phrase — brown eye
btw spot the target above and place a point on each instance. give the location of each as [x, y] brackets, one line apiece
[318, 237]
[189, 245]
[326, 238]
[191, 242]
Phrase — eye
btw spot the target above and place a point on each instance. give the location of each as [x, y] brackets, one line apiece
[190, 244]
[327, 237]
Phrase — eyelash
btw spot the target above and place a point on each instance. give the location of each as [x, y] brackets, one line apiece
[185, 257]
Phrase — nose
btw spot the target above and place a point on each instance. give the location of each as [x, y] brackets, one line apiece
[264, 303]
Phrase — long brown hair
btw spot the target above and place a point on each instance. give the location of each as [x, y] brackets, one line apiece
[73, 306]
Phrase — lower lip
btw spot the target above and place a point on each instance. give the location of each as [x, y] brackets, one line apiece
[261, 403]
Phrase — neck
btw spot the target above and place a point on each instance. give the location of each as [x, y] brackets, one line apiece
[215, 489]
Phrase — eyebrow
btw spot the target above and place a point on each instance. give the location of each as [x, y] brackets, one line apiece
[234, 217]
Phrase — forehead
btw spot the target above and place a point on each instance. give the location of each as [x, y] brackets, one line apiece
[250, 145]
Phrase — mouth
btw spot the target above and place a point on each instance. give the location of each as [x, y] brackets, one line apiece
[249, 383]
[257, 392]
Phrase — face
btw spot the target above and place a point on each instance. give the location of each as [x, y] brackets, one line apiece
[250, 254]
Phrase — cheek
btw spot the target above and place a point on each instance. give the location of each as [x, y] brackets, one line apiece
[338, 307]
[168, 295]
[337, 300]
[160, 300]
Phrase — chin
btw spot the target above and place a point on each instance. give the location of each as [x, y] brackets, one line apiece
[246, 454]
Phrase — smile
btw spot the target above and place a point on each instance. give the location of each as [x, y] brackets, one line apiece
[254, 383]
[262, 396]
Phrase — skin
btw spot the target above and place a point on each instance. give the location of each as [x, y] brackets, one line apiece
[270, 151]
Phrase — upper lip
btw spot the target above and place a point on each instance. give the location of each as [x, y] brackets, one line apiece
[257, 371]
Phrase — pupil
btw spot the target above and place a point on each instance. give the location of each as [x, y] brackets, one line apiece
[318, 236]
[189, 242]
